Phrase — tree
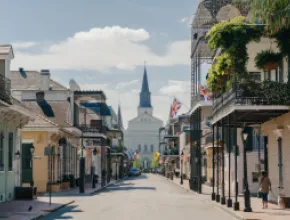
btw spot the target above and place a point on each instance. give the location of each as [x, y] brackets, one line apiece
[155, 161]
[137, 163]
[275, 14]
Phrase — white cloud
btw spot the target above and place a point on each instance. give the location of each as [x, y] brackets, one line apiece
[161, 101]
[183, 20]
[175, 87]
[102, 49]
[122, 85]
[23, 45]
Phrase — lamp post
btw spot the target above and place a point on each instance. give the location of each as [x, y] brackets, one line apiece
[94, 169]
[279, 134]
[181, 169]
[116, 174]
[32, 149]
[247, 208]
[82, 169]
[17, 156]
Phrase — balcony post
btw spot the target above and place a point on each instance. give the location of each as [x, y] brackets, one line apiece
[229, 202]
[213, 167]
[223, 199]
[217, 167]
[236, 203]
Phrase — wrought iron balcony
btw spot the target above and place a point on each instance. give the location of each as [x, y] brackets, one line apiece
[200, 98]
[171, 151]
[5, 89]
[92, 128]
[267, 93]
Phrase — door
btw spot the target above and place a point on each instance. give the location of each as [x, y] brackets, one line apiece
[26, 163]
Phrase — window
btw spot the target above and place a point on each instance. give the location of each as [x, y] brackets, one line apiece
[145, 148]
[10, 152]
[1, 152]
[152, 148]
[139, 148]
[51, 168]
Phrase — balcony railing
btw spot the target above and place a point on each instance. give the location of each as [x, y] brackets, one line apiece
[92, 128]
[252, 93]
[197, 98]
[5, 89]
[171, 151]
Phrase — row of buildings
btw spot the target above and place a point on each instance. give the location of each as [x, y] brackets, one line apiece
[224, 134]
[47, 129]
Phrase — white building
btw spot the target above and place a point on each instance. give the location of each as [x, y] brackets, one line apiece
[142, 132]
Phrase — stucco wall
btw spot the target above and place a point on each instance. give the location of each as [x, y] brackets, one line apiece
[268, 129]
[40, 166]
[7, 178]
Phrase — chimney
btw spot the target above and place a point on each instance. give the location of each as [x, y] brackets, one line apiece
[73, 86]
[44, 80]
[40, 96]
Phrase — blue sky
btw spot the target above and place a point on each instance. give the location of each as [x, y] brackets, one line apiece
[102, 44]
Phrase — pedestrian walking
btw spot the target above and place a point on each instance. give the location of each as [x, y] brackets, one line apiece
[265, 187]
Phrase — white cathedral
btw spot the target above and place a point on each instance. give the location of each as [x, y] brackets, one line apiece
[142, 134]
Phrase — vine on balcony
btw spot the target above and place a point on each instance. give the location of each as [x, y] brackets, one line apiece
[269, 91]
[232, 37]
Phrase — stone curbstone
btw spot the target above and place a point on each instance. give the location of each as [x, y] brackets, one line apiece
[216, 205]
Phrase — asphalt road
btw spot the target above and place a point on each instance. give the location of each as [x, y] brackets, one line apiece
[148, 197]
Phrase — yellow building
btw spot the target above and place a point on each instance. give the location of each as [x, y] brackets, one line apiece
[61, 168]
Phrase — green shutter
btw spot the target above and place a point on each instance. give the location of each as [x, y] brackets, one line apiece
[1, 152]
[281, 80]
[26, 163]
[10, 152]
[249, 141]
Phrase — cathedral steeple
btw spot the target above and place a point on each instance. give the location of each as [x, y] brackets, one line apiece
[120, 119]
[145, 95]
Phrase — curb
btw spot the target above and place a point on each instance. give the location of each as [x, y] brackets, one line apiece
[227, 210]
[216, 205]
[66, 204]
[53, 210]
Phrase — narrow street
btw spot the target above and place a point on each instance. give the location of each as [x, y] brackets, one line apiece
[145, 197]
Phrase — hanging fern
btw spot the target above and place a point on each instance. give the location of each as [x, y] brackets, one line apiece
[267, 60]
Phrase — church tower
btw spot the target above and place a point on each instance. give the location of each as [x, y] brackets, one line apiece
[145, 96]
[120, 119]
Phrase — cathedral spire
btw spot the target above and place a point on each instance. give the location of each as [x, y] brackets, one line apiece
[145, 95]
[120, 119]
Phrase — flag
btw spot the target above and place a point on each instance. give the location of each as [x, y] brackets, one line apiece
[204, 93]
[175, 107]
[156, 156]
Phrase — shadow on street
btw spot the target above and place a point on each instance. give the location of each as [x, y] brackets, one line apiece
[66, 210]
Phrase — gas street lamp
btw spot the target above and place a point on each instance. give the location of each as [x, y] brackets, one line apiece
[247, 208]
[116, 174]
[181, 168]
[32, 149]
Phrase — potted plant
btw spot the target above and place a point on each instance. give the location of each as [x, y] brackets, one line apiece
[267, 60]
[55, 187]
[65, 182]
[72, 181]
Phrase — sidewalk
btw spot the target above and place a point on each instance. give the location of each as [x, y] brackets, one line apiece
[18, 209]
[273, 212]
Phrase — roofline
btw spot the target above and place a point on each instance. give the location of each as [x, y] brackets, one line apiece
[66, 88]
